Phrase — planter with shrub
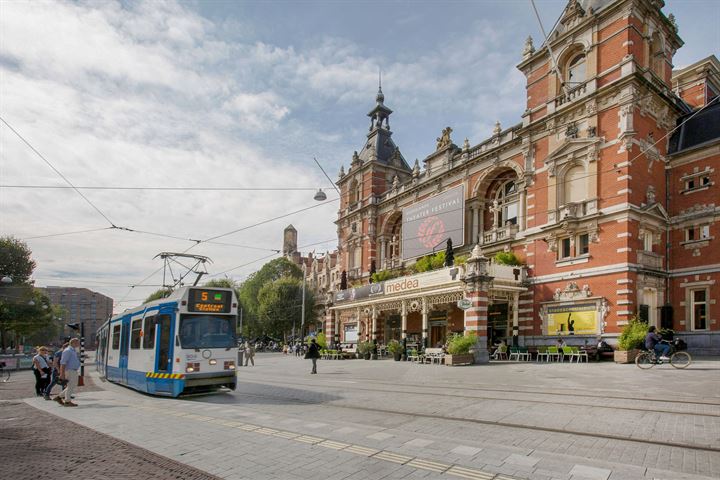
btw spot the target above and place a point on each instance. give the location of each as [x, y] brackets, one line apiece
[396, 349]
[631, 340]
[459, 350]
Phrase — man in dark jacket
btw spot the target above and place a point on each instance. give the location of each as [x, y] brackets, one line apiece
[313, 353]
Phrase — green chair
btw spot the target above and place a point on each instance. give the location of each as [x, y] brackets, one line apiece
[543, 353]
[553, 354]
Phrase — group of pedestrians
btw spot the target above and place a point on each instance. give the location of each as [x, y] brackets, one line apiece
[59, 369]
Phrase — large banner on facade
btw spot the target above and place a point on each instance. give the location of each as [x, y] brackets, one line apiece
[575, 319]
[427, 224]
[359, 293]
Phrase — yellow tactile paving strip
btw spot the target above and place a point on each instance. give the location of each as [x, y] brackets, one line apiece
[415, 462]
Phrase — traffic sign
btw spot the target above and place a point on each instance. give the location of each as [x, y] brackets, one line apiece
[464, 303]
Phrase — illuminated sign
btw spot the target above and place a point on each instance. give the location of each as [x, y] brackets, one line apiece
[209, 301]
[429, 223]
[574, 319]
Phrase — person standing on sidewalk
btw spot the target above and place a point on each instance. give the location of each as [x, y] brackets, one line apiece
[313, 353]
[55, 371]
[69, 366]
[249, 354]
[41, 369]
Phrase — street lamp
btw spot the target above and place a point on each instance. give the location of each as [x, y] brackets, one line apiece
[320, 196]
[6, 279]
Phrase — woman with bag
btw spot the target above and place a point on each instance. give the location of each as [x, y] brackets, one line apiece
[41, 369]
[313, 353]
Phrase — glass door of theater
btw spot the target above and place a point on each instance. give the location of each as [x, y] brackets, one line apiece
[438, 328]
[499, 324]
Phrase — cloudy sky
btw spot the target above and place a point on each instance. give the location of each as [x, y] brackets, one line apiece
[230, 95]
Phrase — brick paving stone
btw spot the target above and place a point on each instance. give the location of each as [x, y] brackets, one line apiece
[30, 446]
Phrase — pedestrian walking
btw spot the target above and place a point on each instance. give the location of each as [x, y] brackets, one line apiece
[249, 354]
[55, 375]
[313, 354]
[41, 369]
[69, 366]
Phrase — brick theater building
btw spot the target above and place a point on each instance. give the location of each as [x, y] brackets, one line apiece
[607, 192]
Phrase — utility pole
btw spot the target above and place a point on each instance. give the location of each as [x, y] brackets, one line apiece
[302, 312]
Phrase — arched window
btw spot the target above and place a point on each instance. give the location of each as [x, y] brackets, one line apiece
[575, 72]
[395, 247]
[574, 185]
[354, 192]
[657, 56]
[507, 203]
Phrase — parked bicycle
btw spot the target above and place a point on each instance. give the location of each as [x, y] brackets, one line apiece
[678, 359]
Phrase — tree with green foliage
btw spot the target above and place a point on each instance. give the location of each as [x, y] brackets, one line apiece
[158, 294]
[507, 258]
[25, 312]
[271, 271]
[280, 307]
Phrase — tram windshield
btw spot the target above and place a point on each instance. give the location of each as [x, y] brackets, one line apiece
[207, 331]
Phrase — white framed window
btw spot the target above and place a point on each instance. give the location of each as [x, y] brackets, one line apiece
[696, 183]
[565, 248]
[507, 201]
[574, 185]
[576, 71]
[647, 241]
[699, 309]
[583, 244]
[697, 233]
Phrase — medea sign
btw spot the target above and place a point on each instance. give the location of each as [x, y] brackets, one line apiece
[428, 224]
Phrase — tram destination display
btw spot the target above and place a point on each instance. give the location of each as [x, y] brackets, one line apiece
[428, 224]
[210, 301]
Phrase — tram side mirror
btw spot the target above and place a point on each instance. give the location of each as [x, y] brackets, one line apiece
[177, 341]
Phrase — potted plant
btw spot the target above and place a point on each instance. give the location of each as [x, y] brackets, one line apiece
[631, 340]
[365, 349]
[459, 350]
[395, 348]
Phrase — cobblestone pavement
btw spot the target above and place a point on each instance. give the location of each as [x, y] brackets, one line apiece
[391, 420]
[36, 444]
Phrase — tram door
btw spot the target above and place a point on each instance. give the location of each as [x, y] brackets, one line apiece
[164, 342]
[124, 343]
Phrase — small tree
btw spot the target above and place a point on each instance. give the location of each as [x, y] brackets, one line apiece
[633, 335]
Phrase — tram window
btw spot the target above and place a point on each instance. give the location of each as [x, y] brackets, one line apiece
[207, 331]
[135, 336]
[116, 337]
[149, 333]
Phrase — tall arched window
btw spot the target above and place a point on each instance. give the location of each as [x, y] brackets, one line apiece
[657, 56]
[395, 247]
[574, 185]
[354, 193]
[575, 71]
[507, 203]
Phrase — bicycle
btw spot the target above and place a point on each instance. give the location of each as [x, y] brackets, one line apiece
[678, 359]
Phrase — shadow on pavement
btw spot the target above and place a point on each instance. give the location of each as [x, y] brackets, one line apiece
[249, 393]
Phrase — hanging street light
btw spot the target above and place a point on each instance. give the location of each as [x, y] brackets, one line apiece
[320, 195]
[7, 280]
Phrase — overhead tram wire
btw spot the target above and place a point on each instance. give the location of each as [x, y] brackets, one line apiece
[57, 171]
[170, 189]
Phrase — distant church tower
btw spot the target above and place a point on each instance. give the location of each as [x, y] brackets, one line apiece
[289, 241]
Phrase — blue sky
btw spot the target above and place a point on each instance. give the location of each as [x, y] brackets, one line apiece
[238, 94]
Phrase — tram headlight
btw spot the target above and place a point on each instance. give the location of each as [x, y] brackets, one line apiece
[192, 367]
[213, 361]
[229, 365]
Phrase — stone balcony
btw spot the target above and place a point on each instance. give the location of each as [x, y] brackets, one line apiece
[499, 234]
[650, 260]
[573, 210]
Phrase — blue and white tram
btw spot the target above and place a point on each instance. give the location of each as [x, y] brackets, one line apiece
[180, 344]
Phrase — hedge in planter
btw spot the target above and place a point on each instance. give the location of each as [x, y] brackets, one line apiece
[459, 350]
[396, 349]
[631, 340]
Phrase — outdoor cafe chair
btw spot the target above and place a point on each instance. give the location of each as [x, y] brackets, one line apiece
[543, 353]
[568, 352]
[515, 353]
[553, 354]
[579, 354]
[501, 353]
[525, 354]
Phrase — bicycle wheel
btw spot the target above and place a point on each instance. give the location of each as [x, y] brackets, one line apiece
[644, 360]
[680, 359]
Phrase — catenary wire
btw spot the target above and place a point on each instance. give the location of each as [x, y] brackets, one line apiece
[56, 170]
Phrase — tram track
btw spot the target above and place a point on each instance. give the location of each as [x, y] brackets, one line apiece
[505, 424]
[505, 399]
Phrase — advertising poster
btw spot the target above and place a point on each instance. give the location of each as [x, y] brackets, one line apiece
[427, 224]
[576, 319]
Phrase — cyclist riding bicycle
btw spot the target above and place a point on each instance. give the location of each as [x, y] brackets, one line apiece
[653, 342]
